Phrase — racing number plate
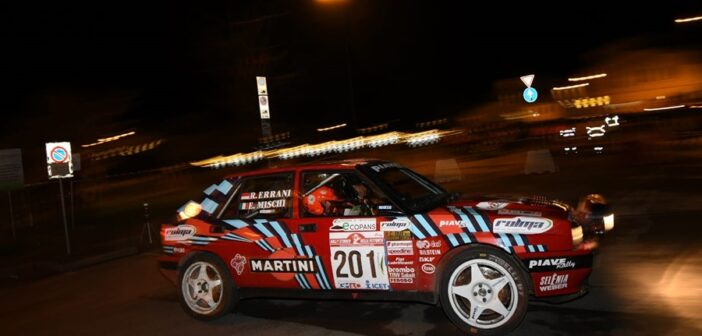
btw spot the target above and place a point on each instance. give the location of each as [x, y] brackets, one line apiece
[358, 260]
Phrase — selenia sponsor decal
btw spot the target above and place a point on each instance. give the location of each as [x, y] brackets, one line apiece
[399, 247]
[491, 205]
[553, 282]
[522, 225]
[353, 224]
[180, 232]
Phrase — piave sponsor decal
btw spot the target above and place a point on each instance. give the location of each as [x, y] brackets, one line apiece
[353, 224]
[179, 233]
[522, 225]
[453, 222]
[555, 263]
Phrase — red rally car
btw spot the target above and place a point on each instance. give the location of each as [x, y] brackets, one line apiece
[374, 230]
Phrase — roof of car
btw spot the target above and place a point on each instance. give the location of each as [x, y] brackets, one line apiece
[336, 164]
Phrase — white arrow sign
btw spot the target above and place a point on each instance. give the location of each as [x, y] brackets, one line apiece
[527, 80]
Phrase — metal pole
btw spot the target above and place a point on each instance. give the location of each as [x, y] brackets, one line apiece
[65, 222]
[73, 217]
[147, 223]
[12, 216]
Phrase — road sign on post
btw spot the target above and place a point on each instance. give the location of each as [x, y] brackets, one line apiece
[58, 159]
[264, 106]
[60, 166]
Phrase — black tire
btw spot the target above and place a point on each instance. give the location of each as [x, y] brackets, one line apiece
[228, 296]
[484, 255]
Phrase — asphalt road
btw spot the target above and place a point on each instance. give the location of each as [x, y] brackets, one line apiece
[646, 282]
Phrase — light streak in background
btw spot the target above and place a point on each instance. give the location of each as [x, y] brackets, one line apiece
[336, 146]
[595, 132]
[598, 149]
[612, 121]
[579, 79]
[571, 86]
[591, 102]
[696, 18]
[568, 132]
[331, 127]
[108, 139]
[664, 108]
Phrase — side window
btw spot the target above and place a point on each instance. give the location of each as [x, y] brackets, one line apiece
[263, 197]
[337, 194]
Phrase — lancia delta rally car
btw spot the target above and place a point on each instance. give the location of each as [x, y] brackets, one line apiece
[374, 230]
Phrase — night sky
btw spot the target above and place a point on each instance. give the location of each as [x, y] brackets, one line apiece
[186, 71]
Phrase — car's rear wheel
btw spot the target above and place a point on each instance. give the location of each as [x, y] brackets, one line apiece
[483, 292]
[206, 287]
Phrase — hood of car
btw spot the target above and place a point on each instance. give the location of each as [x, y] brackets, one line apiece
[531, 206]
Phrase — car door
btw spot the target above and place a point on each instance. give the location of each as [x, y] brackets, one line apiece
[263, 249]
[346, 236]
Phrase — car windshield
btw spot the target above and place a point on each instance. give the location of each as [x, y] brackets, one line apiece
[411, 190]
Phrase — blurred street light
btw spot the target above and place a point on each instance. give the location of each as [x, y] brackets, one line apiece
[324, 129]
[696, 18]
[571, 87]
[664, 108]
[578, 79]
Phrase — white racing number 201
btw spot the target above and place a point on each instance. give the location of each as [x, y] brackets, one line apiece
[358, 260]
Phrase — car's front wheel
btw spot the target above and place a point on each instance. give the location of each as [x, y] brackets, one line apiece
[206, 287]
[483, 292]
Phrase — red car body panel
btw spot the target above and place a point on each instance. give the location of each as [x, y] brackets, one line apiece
[405, 253]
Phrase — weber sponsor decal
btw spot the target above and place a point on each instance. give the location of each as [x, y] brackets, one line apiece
[179, 233]
[428, 268]
[491, 205]
[395, 225]
[553, 282]
[302, 265]
[400, 247]
[522, 225]
[353, 224]
[256, 195]
[238, 263]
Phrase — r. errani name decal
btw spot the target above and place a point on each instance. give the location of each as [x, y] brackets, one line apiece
[255, 195]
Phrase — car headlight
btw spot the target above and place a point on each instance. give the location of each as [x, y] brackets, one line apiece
[577, 233]
[608, 222]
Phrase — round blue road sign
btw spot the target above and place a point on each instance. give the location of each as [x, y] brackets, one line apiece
[59, 154]
[530, 95]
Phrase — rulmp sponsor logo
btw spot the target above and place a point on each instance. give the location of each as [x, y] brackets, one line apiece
[395, 225]
[180, 232]
[557, 263]
[553, 282]
[522, 225]
[283, 265]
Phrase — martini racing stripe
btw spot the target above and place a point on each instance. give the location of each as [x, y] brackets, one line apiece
[237, 223]
[478, 217]
[464, 218]
[431, 232]
[452, 240]
[209, 205]
[262, 228]
[302, 281]
[416, 232]
[232, 236]
[281, 233]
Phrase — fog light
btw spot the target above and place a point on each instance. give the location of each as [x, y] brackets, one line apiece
[577, 233]
[608, 222]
